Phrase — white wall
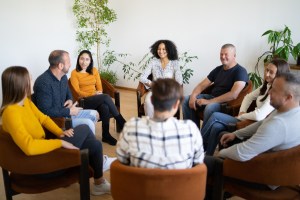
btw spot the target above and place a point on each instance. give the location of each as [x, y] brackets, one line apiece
[31, 29]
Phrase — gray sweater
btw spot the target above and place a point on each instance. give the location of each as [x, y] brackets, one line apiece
[277, 132]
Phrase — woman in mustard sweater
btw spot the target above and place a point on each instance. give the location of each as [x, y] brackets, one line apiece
[86, 81]
[24, 122]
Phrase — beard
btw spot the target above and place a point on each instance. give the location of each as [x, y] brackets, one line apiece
[65, 70]
[275, 105]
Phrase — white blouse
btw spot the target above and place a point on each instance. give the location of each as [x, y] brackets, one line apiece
[263, 108]
[172, 70]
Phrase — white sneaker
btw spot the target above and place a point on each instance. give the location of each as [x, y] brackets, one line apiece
[103, 188]
[107, 162]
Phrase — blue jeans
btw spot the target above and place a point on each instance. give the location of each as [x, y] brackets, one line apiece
[210, 131]
[85, 116]
[189, 113]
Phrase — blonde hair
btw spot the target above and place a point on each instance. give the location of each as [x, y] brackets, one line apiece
[15, 85]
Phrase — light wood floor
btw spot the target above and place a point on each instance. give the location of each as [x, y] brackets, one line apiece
[128, 110]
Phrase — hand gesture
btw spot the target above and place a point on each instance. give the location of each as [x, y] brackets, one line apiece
[240, 113]
[74, 110]
[68, 103]
[227, 138]
[201, 102]
[192, 102]
[68, 133]
[68, 145]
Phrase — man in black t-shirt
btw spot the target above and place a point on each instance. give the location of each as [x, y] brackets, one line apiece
[229, 80]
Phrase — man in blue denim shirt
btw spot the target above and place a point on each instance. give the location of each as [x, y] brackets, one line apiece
[53, 96]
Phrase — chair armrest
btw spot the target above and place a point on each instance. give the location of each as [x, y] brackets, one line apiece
[140, 91]
[112, 92]
[230, 108]
[45, 163]
[60, 121]
[108, 88]
[272, 168]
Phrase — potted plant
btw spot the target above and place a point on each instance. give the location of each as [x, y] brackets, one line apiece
[281, 46]
[92, 17]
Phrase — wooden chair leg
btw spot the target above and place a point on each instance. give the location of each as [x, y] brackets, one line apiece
[84, 176]
[7, 185]
[117, 103]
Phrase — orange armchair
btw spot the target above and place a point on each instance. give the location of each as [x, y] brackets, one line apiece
[232, 107]
[249, 179]
[20, 172]
[133, 183]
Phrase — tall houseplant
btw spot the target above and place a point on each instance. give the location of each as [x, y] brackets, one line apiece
[281, 46]
[92, 17]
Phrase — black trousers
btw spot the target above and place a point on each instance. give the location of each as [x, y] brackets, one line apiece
[103, 104]
[85, 139]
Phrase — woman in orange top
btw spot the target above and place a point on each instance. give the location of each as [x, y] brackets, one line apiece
[25, 122]
[86, 81]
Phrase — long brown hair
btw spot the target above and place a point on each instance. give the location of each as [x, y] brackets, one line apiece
[282, 67]
[15, 85]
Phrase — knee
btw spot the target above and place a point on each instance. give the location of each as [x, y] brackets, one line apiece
[106, 97]
[84, 128]
[214, 116]
[94, 115]
[103, 108]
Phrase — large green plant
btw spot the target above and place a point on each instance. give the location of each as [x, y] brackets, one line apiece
[281, 46]
[92, 17]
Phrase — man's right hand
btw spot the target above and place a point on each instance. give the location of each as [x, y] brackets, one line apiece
[68, 103]
[74, 110]
[227, 138]
[192, 102]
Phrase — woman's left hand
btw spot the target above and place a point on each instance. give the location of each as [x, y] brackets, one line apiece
[99, 92]
[68, 133]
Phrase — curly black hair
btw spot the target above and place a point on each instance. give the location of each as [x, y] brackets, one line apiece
[170, 48]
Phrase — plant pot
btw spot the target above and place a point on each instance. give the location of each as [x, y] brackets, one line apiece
[298, 61]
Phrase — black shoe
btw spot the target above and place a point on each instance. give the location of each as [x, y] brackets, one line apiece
[121, 121]
[109, 139]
